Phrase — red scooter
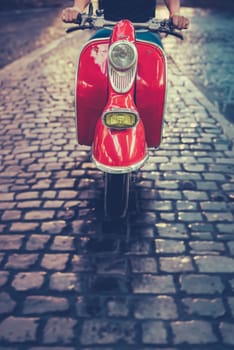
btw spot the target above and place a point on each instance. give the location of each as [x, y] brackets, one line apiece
[120, 99]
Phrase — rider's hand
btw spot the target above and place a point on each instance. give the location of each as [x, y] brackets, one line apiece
[180, 22]
[70, 14]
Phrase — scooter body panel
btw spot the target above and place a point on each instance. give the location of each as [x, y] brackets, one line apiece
[119, 150]
[151, 90]
[94, 94]
[91, 88]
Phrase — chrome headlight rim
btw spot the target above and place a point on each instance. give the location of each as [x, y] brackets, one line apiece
[130, 46]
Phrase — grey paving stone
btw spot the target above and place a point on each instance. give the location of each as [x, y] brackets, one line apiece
[143, 265]
[59, 330]
[160, 307]
[25, 281]
[200, 247]
[196, 195]
[186, 205]
[231, 247]
[65, 282]
[50, 194]
[63, 243]
[64, 183]
[214, 206]
[201, 227]
[225, 228]
[189, 216]
[53, 227]
[170, 195]
[193, 332]
[157, 205]
[201, 284]
[152, 284]
[27, 195]
[6, 197]
[172, 230]
[68, 194]
[23, 226]
[29, 204]
[39, 304]
[213, 308]
[165, 246]
[53, 204]
[7, 304]
[176, 264]
[55, 261]
[39, 215]
[108, 332]
[11, 242]
[168, 217]
[215, 264]
[37, 242]
[231, 304]
[118, 307]
[21, 261]
[18, 329]
[226, 330]
[219, 216]
[11, 215]
[154, 332]
[3, 277]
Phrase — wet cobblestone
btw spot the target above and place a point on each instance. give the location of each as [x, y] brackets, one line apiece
[205, 56]
[163, 279]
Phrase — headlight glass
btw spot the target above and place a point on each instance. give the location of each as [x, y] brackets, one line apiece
[122, 55]
[120, 120]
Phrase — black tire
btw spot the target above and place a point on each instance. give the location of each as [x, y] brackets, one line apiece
[116, 195]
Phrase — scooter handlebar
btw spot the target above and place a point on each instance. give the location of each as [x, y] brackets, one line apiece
[85, 21]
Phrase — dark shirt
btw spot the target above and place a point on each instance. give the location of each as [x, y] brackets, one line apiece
[134, 10]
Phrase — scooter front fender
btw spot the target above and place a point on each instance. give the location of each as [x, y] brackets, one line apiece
[119, 151]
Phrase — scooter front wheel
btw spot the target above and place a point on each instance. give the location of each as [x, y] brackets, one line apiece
[116, 195]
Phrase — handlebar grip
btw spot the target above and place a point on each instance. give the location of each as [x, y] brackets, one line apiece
[78, 19]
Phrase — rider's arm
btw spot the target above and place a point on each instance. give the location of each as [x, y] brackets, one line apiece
[69, 14]
[179, 21]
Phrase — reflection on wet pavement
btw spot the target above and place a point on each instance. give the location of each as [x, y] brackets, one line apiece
[206, 55]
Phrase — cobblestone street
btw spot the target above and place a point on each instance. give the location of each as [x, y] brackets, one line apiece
[206, 55]
[163, 278]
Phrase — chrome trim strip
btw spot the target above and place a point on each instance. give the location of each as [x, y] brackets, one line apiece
[119, 170]
[121, 81]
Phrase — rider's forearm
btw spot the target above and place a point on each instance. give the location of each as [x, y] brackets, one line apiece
[81, 4]
[173, 6]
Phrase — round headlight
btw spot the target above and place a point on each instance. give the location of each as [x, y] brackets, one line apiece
[122, 55]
